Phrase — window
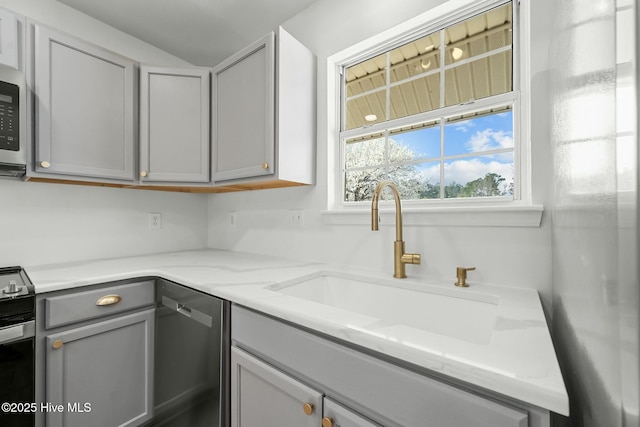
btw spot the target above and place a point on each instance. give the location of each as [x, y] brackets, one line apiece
[436, 114]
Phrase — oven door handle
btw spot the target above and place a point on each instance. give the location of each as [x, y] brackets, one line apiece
[17, 332]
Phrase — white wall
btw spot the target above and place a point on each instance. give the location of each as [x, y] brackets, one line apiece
[69, 20]
[595, 210]
[47, 223]
[508, 256]
[50, 223]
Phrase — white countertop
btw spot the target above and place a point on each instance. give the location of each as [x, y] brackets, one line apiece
[519, 361]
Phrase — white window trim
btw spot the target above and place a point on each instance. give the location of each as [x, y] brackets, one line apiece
[521, 212]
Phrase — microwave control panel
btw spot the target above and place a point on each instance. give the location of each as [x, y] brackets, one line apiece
[9, 117]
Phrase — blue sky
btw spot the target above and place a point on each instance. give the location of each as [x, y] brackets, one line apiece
[465, 137]
[461, 137]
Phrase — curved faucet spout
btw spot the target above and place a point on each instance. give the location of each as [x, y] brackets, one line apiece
[400, 258]
[374, 207]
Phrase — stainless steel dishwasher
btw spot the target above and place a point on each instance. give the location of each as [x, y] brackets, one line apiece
[191, 384]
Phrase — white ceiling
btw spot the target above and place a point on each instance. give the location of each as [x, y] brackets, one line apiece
[202, 32]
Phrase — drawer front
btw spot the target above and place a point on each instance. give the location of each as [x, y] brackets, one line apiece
[83, 305]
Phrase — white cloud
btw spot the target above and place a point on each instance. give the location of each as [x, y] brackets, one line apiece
[488, 139]
[463, 171]
[464, 125]
[466, 170]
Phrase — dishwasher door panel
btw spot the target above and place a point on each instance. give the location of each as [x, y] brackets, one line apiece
[191, 341]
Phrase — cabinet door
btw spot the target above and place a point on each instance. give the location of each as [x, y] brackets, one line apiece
[8, 39]
[263, 396]
[243, 116]
[101, 374]
[174, 124]
[336, 415]
[85, 108]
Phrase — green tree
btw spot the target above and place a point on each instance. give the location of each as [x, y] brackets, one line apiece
[452, 190]
[429, 191]
[487, 186]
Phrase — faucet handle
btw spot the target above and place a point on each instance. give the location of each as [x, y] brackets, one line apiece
[410, 258]
[461, 274]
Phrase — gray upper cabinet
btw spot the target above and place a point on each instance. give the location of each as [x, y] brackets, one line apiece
[243, 112]
[263, 114]
[86, 113]
[174, 125]
[8, 39]
[248, 123]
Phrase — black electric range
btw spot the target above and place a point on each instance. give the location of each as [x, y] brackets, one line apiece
[17, 342]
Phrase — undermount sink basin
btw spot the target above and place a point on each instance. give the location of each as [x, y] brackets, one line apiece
[457, 313]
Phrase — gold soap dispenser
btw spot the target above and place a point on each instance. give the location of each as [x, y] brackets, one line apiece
[461, 274]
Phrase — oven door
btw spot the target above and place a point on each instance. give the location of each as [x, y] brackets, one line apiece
[17, 394]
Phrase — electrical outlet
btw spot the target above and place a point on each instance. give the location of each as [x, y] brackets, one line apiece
[296, 218]
[233, 219]
[155, 220]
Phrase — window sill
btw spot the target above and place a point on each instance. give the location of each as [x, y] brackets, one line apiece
[467, 216]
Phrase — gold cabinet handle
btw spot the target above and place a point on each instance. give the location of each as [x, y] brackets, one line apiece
[57, 344]
[307, 408]
[45, 164]
[265, 165]
[109, 300]
[143, 174]
[327, 422]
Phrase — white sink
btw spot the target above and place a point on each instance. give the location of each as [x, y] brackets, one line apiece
[457, 313]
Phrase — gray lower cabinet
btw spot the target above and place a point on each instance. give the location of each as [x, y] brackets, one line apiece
[359, 388]
[264, 396]
[94, 355]
[101, 373]
[85, 108]
[336, 415]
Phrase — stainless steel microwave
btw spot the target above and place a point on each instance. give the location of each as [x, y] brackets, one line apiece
[13, 156]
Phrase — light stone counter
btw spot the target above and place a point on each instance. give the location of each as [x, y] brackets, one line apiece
[518, 361]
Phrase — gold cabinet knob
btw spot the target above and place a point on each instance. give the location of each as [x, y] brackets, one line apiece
[327, 422]
[307, 408]
[265, 165]
[57, 344]
[143, 173]
[45, 164]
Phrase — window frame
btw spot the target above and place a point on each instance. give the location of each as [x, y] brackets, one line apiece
[448, 13]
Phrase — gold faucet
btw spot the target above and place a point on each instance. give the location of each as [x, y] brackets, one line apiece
[399, 257]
